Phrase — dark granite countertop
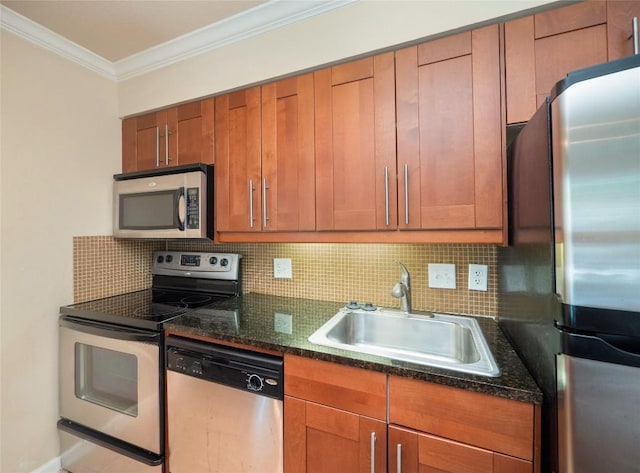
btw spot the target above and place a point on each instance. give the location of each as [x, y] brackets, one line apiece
[257, 324]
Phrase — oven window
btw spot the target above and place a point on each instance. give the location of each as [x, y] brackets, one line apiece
[106, 377]
[148, 210]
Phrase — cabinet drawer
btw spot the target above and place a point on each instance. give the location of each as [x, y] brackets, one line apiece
[485, 421]
[343, 387]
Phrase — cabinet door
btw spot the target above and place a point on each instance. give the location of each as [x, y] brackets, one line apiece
[413, 452]
[321, 439]
[403, 450]
[619, 30]
[238, 170]
[540, 50]
[355, 145]
[190, 131]
[450, 157]
[288, 158]
[143, 142]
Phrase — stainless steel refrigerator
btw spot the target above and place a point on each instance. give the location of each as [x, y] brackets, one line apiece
[570, 277]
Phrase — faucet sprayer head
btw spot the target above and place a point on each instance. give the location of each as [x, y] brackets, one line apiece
[405, 278]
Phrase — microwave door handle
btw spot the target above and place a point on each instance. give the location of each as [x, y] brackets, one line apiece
[176, 217]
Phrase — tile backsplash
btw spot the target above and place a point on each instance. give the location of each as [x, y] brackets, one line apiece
[104, 266]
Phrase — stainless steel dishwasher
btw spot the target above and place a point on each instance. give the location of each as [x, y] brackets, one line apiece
[224, 409]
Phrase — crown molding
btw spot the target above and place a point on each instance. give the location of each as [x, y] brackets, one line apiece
[265, 17]
[45, 38]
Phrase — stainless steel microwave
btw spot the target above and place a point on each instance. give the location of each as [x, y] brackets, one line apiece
[170, 203]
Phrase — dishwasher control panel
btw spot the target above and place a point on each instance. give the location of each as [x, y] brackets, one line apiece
[240, 369]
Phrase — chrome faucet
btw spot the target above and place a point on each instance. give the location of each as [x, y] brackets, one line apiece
[402, 289]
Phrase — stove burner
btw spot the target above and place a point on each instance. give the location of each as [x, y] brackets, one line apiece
[157, 309]
[196, 300]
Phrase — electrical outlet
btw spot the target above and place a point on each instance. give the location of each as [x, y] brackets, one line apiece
[282, 268]
[478, 277]
[442, 276]
[283, 323]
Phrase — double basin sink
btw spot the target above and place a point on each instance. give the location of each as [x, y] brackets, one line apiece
[438, 340]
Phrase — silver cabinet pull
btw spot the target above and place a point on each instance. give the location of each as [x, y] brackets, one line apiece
[166, 144]
[373, 452]
[157, 146]
[634, 26]
[399, 458]
[264, 203]
[386, 195]
[251, 219]
[406, 194]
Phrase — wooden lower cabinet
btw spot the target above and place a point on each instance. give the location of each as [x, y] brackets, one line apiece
[412, 452]
[334, 418]
[342, 419]
[322, 439]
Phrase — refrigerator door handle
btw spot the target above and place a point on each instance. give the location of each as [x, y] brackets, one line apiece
[607, 348]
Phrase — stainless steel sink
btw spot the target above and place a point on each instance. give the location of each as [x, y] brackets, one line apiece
[443, 341]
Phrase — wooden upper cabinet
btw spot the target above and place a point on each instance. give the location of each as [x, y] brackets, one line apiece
[620, 15]
[450, 158]
[238, 162]
[143, 142]
[355, 145]
[541, 49]
[189, 129]
[190, 132]
[288, 155]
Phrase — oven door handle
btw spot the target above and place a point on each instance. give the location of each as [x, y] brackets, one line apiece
[105, 441]
[109, 331]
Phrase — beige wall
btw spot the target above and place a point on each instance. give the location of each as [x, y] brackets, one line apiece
[355, 29]
[60, 145]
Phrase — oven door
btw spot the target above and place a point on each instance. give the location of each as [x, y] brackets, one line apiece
[111, 379]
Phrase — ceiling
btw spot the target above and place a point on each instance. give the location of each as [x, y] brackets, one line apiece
[116, 29]
[124, 38]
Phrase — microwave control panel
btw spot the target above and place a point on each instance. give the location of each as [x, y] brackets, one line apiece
[193, 208]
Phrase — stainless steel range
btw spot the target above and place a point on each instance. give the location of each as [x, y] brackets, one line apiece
[112, 380]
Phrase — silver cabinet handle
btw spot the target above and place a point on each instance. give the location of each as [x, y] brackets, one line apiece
[373, 452]
[386, 195]
[251, 219]
[157, 146]
[399, 458]
[166, 144]
[634, 26]
[406, 194]
[264, 203]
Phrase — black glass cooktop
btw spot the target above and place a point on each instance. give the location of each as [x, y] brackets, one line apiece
[148, 308]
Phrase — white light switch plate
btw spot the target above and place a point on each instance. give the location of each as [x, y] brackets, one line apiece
[478, 277]
[282, 268]
[442, 276]
[283, 323]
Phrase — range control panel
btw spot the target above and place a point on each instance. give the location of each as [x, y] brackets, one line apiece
[202, 265]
